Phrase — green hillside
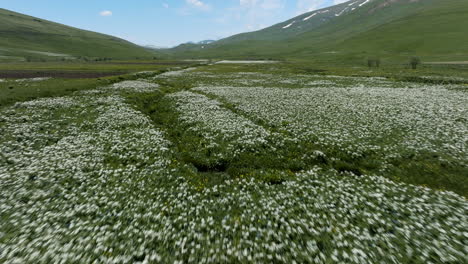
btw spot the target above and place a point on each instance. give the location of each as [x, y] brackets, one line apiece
[390, 29]
[436, 32]
[24, 36]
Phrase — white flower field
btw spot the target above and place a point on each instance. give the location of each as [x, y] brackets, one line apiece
[246, 167]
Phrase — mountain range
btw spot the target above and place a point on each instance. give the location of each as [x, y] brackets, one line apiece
[349, 32]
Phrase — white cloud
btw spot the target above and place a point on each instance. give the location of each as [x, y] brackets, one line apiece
[256, 12]
[105, 13]
[193, 5]
[263, 4]
[198, 4]
[272, 4]
[304, 6]
[248, 2]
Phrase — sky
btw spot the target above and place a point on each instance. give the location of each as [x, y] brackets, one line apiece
[166, 23]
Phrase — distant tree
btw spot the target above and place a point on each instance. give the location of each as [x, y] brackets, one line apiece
[373, 62]
[414, 62]
[377, 62]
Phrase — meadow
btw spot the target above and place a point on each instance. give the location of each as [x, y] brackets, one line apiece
[23, 81]
[275, 163]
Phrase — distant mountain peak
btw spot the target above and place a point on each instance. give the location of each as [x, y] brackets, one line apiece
[205, 42]
[155, 47]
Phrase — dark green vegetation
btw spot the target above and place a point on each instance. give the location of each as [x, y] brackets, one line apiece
[392, 30]
[24, 37]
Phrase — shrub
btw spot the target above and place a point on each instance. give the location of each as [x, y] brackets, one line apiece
[373, 62]
[414, 62]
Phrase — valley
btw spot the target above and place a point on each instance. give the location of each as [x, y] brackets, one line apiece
[336, 136]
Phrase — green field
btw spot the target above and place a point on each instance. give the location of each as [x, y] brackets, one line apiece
[237, 163]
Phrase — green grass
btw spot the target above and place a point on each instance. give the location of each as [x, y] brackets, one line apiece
[434, 33]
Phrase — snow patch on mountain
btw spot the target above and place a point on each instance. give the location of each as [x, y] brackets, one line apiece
[365, 2]
[347, 7]
[289, 25]
[309, 17]
[316, 13]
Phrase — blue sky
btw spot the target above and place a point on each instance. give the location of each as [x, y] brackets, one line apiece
[167, 22]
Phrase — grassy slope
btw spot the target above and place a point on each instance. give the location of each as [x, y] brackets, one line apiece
[21, 34]
[298, 26]
[401, 29]
[244, 42]
[433, 32]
